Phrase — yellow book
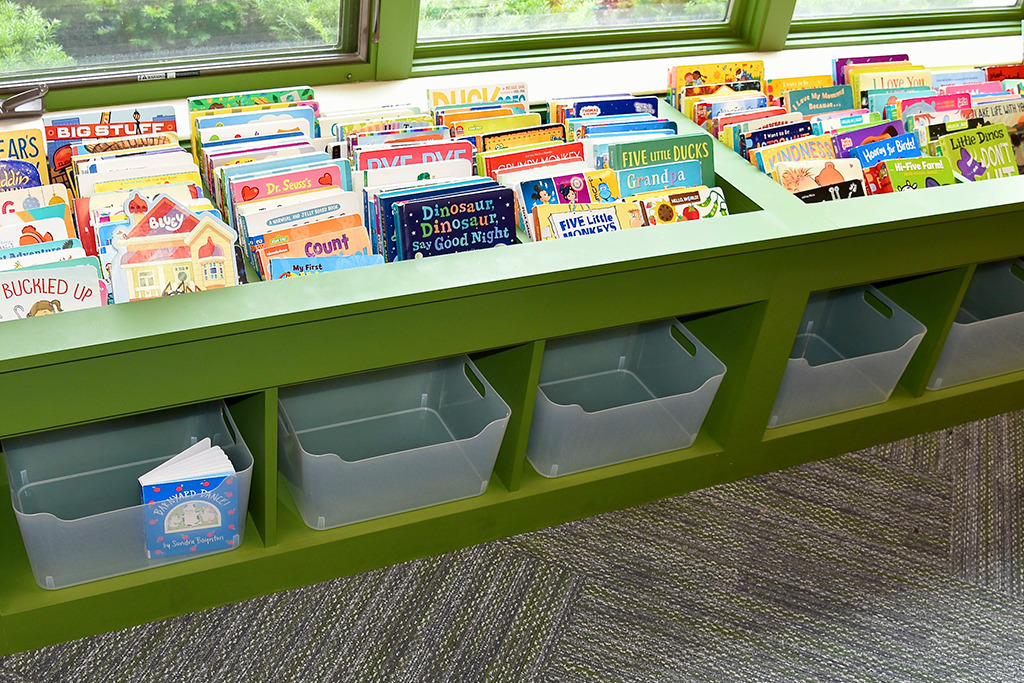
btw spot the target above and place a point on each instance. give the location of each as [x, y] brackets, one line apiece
[555, 221]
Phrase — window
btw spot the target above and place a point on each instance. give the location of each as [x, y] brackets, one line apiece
[147, 278]
[74, 42]
[444, 19]
[822, 9]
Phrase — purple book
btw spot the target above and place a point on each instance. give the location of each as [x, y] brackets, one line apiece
[844, 142]
[838, 64]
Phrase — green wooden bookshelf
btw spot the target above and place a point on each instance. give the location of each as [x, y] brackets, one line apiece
[740, 283]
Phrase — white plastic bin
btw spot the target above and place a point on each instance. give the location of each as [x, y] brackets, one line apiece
[852, 348]
[987, 337]
[77, 497]
[377, 443]
[620, 394]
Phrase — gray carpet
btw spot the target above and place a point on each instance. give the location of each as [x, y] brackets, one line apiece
[897, 563]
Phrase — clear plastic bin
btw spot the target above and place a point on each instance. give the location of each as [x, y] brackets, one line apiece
[852, 348]
[987, 337]
[620, 394]
[377, 443]
[77, 497]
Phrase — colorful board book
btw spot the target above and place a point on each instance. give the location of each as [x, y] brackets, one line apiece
[190, 502]
[981, 153]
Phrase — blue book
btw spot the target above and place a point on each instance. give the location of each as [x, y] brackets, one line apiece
[610, 129]
[191, 503]
[455, 222]
[811, 101]
[663, 176]
[292, 267]
[614, 105]
[768, 136]
[900, 147]
[384, 223]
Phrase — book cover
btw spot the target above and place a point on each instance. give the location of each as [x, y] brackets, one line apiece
[299, 179]
[463, 221]
[776, 88]
[840, 63]
[26, 145]
[829, 193]
[663, 150]
[313, 240]
[299, 93]
[900, 147]
[502, 92]
[519, 137]
[814, 147]
[59, 250]
[562, 221]
[53, 288]
[613, 106]
[982, 153]
[731, 135]
[952, 76]
[930, 135]
[18, 233]
[810, 174]
[189, 503]
[879, 99]
[768, 136]
[172, 250]
[63, 130]
[723, 127]
[900, 175]
[845, 141]
[18, 175]
[854, 118]
[603, 185]
[811, 101]
[420, 153]
[703, 111]
[281, 268]
[604, 126]
[659, 177]
[923, 111]
[491, 163]
[704, 79]
[679, 207]
[474, 129]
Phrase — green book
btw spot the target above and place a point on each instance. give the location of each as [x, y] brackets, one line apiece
[980, 153]
[664, 150]
[916, 174]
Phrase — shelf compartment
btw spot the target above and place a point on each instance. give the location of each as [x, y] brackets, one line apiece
[76, 494]
[851, 349]
[987, 336]
[377, 443]
[620, 394]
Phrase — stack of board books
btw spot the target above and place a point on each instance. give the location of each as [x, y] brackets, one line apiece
[876, 124]
[272, 187]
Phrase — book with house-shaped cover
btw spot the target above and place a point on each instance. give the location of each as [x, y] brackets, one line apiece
[981, 153]
[663, 150]
[457, 222]
[900, 147]
[190, 502]
[172, 250]
[660, 177]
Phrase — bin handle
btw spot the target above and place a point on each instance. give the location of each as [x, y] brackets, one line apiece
[230, 423]
[872, 300]
[472, 374]
[680, 334]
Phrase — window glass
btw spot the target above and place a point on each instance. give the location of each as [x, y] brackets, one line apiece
[828, 9]
[447, 19]
[39, 36]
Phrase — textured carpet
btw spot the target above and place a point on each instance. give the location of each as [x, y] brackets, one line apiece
[897, 563]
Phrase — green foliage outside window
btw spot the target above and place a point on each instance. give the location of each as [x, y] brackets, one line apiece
[27, 39]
